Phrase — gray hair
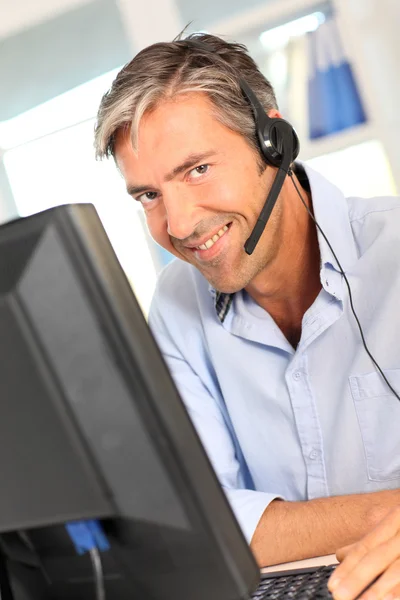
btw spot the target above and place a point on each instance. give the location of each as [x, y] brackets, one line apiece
[164, 70]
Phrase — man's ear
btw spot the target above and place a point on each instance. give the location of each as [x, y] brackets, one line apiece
[274, 114]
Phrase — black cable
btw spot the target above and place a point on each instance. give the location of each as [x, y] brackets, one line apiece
[290, 173]
[98, 574]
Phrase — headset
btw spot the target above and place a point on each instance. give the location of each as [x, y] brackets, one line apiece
[280, 146]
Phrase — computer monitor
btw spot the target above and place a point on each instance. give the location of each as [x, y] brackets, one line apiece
[92, 427]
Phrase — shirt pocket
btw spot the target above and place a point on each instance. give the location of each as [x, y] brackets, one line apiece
[378, 413]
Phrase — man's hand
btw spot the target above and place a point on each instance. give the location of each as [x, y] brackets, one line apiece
[375, 556]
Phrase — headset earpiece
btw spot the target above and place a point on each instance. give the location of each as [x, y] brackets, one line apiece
[271, 132]
[275, 139]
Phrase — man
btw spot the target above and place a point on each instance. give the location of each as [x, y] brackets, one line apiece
[300, 427]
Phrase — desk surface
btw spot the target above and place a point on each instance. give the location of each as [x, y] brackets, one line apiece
[330, 559]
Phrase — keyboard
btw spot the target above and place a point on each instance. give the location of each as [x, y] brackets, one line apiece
[301, 584]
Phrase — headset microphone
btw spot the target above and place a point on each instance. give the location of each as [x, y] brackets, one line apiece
[279, 146]
[283, 170]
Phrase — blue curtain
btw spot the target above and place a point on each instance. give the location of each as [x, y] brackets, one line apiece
[334, 102]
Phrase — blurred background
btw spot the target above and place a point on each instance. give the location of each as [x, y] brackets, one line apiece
[333, 63]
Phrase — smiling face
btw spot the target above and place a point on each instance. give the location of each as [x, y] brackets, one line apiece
[201, 188]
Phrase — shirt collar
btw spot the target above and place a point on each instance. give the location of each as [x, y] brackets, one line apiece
[331, 213]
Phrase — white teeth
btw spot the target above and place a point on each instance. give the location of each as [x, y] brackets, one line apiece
[214, 239]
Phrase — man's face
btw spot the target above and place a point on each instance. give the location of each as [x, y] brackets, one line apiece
[201, 189]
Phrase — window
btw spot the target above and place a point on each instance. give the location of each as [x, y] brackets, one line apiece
[50, 161]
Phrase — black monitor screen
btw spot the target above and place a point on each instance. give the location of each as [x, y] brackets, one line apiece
[92, 428]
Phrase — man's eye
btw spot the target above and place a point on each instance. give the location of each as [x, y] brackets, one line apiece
[147, 197]
[198, 171]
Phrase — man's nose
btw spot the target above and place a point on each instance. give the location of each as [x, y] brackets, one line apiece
[182, 214]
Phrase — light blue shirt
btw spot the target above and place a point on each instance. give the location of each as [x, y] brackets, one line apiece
[296, 424]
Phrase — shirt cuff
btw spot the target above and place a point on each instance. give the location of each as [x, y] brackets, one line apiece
[249, 507]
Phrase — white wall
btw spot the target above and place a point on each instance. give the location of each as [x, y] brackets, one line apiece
[22, 14]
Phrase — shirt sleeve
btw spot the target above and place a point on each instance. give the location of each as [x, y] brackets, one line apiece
[247, 505]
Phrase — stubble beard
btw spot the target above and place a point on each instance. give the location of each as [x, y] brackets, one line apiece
[234, 278]
[250, 266]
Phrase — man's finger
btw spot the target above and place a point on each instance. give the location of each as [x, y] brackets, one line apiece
[343, 552]
[388, 585]
[352, 556]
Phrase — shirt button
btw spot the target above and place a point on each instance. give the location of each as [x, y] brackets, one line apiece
[296, 375]
[313, 454]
